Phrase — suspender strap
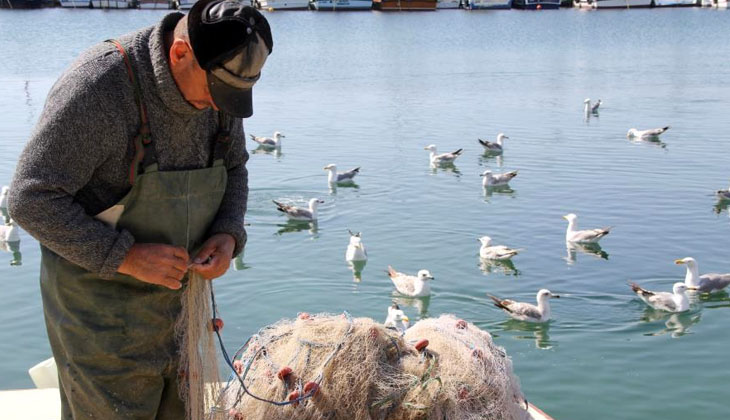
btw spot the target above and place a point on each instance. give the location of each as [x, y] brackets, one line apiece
[143, 149]
[223, 138]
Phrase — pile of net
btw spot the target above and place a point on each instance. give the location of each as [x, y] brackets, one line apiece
[338, 367]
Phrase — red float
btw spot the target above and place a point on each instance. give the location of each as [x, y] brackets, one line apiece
[311, 387]
[421, 344]
[293, 396]
[284, 373]
[461, 324]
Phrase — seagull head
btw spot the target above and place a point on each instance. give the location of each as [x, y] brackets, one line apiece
[314, 202]
[631, 133]
[330, 167]
[430, 148]
[485, 240]
[570, 217]
[5, 191]
[587, 100]
[278, 135]
[679, 288]
[356, 241]
[501, 136]
[545, 294]
[486, 173]
[688, 260]
[355, 234]
[424, 275]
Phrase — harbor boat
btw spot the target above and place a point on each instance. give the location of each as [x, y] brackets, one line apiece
[449, 4]
[21, 4]
[536, 4]
[489, 4]
[282, 4]
[76, 4]
[397, 5]
[334, 5]
[111, 4]
[154, 4]
[185, 4]
[614, 4]
[676, 3]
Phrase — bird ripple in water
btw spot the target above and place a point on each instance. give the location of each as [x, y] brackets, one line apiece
[706, 283]
[677, 301]
[413, 286]
[271, 142]
[333, 177]
[437, 159]
[522, 311]
[299, 213]
[589, 236]
[495, 252]
[494, 147]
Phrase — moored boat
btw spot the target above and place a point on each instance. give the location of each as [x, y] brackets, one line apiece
[676, 3]
[536, 4]
[449, 4]
[76, 4]
[614, 4]
[489, 4]
[154, 4]
[111, 4]
[20, 4]
[185, 4]
[390, 5]
[334, 5]
[282, 4]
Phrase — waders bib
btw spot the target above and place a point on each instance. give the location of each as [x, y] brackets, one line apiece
[114, 340]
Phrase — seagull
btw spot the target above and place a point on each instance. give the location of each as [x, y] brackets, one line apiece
[4, 197]
[9, 232]
[396, 319]
[587, 106]
[526, 311]
[497, 180]
[356, 250]
[706, 283]
[646, 134]
[664, 301]
[721, 194]
[583, 236]
[442, 158]
[268, 141]
[494, 147]
[413, 286]
[333, 177]
[298, 213]
[594, 108]
[496, 252]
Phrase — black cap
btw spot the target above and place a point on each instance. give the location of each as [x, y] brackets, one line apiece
[231, 42]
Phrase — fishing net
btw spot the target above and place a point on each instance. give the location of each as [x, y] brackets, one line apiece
[342, 368]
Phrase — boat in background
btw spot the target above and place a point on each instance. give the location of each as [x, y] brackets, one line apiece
[76, 4]
[185, 4]
[154, 4]
[335, 5]
[397, 5]
[282, 4]
[613, 4]
[111, 4]
[449, 4]
[536, 4]
[676, 3]
[21, 4]
[489, 4]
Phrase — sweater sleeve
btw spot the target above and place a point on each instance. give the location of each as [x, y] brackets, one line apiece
[70, 141]
[230, 217]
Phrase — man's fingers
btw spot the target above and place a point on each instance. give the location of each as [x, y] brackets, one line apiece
[176, 263]
[181, 253]
[171, 283]
[204, 253]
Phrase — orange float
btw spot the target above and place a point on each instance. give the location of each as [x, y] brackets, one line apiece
[284, 373]
[421, 344]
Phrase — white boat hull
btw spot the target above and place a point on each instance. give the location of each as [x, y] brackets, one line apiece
[448, 4]
[614, 4]
[675, 3]
[110, 4]
[185, 4]
[75, 4]
[334, 5]
[283, 4]
[148, 5]
[489, 4]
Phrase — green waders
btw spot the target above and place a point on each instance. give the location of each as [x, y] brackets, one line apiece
[114, 340]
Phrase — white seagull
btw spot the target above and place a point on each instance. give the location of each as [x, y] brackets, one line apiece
[9, 232]
[590, 236]
[664, 301]
[334, 178]
[442, 158]
[497, 180]
[646, 134]
[298, 213]
[396, 319]
[269, 141]
[413, 286]
[494, 147]
[706, 283]
[4, 197]
[721, 194]
[587, 106]
[495, 252]
[356, 249]
[522, 311]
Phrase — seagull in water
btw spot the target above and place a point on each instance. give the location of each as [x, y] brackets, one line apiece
[340, 178]
[494, 147]
[356, 250]
[590, 236]
[413, 286]
[721, 194]
[269, 141]
[646, 134]
[298, 213]
[4, 197]
[526, 311]
[396, 319]
[594, 108]
[437, 159]
[497, 180]
[664, 301]
[9, 232]
[588, 108]
[706, 283]
[495, 252]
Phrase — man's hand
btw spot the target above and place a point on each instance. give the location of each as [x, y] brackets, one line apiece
[157, 264]
[214, 257]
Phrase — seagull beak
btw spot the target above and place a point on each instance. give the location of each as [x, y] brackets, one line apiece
[320, 201]
[555, 296]
[425, 148]
[565, 217]
[678, 262]
[505, 137]
[406, 319]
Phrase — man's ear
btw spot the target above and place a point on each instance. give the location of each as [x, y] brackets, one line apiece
[180, 52]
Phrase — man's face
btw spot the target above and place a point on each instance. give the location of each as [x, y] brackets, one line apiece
[190, 78]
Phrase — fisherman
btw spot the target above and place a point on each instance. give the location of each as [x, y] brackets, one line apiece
[135, 175]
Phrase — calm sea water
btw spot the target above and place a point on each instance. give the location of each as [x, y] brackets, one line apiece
[371, 90]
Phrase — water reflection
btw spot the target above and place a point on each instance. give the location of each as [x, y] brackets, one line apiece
[651, 141]
[350, 184]
[487, 157]
[421, 304]
[675, 324]
[721, 206]
[5, 215]
[445, 167]
[298, 226]
[267, 150]
[711, 300]
[540, 332]
[589, 249]
[506, 267]
[13, 248]
[356, 267]
[498, 190]
[238, 263]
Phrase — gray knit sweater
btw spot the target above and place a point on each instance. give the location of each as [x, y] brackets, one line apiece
[76, 162]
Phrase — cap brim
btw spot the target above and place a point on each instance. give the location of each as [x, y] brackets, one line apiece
[231, 100]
